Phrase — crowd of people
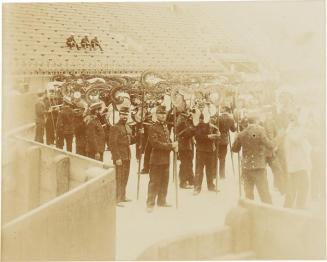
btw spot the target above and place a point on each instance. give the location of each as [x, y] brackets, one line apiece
[265, 135]
[85, 42]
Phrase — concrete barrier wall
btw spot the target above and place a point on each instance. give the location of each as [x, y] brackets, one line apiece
[279, 233]
[78, 225]
[34, 173]
[252, 230]
[197, 246]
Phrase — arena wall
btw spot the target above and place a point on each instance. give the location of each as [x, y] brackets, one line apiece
[251, 231]
[198, 246]
[79, 225]
[279, 233]
[55, 204]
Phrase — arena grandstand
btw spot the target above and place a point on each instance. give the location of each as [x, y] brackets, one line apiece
[202, 61]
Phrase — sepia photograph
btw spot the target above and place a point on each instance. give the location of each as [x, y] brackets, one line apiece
[163, 131]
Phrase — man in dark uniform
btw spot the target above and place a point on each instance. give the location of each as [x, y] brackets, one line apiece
[254, 144]
[95, 137]
[40, 111]
[185, 132]
[80, 109]
[159, 160]
[65, 125]
[52, 104]
[205, 155]
[119, 140]
[146, 143]
[226, 124]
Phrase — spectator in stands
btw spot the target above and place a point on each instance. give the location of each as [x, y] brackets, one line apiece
[95, 42]
[85, 43]
[70, 42]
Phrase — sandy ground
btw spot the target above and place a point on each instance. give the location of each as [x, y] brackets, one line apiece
[137, 229]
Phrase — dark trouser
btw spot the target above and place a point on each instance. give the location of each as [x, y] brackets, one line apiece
[204, 159]
[50, 130]
[39, 132]
[60, 140]
[80, 144]
[122, 174]
[222, 152]
[257, 178]
[158, 185]
[278, 174]
[147, 154]
[186, 167]
[297, 189]
[106, 135]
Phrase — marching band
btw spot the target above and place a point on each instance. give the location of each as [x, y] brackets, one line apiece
[191, 119]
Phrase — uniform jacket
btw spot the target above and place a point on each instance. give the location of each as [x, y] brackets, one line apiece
[95, 138]
[203, 143]
[79, 113]
[119, 140]
[65, 122]
[161, 144]
[53, 115]
[40, 112]
[185, 132]
[226, 123]
[254, 144]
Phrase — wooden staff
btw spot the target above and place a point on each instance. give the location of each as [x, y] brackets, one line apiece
[238, 153]
[231, 154]
[140, 148]
[217, 151]
[175, 160]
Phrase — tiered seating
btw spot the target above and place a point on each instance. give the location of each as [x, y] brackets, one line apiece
[134, 37]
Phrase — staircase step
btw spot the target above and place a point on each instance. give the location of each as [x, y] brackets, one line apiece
[237, 256]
